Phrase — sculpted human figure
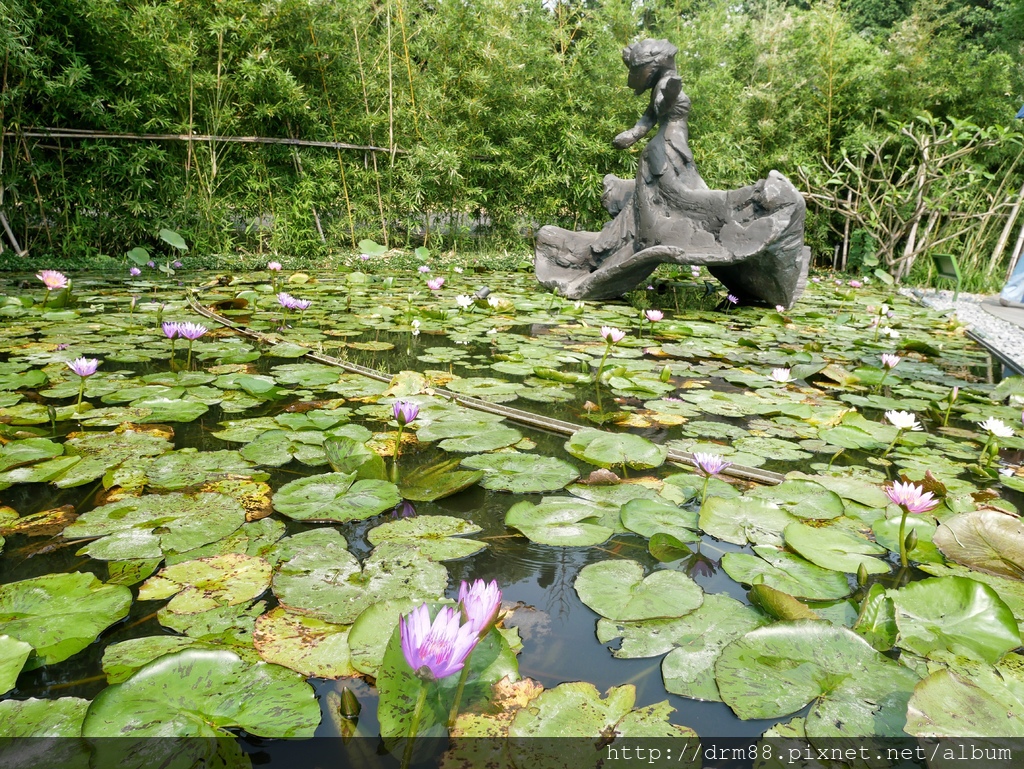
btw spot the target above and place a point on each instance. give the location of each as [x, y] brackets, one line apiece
[751, 238]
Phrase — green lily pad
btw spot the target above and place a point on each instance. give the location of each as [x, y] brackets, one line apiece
[279, 447]
[522, 473]
[28, 451]
[38, 473]
[560, 521]
[203, 693]
[835, 549]
[347, 455]
[618, 590]
[698, 639]
[335, 497]
[804, 499]
[370, 633]
[576, 709]
[189, 467]
[986, 540]
[147, 526]
[306, 645]
[876, 620]
[328, 583]
[777, 670]
[101, 452]
[648, 517]
[207, 583]
[60, 718]
[615, 449]
[786, 572]
[954, 615]
[495, 437]
[986, 705]
[122, 660]
[485, 387]
[13, 655]
[436, 536]
[60, 614]
[231, 624]
[745, 519]
[131, 572]
[430, 482]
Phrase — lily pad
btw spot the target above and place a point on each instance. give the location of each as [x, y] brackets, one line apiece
[777, 670]
[203, 693]
[835, 549]
[954, 615]
[101, 452]
[335, 497]
[328, 583]
[560, 521]
[804, 499]
[13, 655]
[146, 527]
[786, 572]
[648, 517]
[208, 583]
[987, 540]
[347, 455]
[619, 591]
[189, 467]
[745, 519]
[60, 614]
[947, 704]
[615, 449]
[436, 536]
[307, 645]
[495, 437]
[430, 482]
[522, 473]
[37, 718]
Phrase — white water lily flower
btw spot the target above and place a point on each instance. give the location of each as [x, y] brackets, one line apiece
[904, 420]
[997, 427]
[780, 375]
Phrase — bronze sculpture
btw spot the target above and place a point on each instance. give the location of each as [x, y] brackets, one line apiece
[751, 239]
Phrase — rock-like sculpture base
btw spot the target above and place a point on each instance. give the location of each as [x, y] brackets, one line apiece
[751, 239]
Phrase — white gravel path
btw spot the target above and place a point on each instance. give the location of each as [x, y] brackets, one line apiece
[1005, 339]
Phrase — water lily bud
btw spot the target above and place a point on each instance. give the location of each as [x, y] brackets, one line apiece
[350, 706]
[666, 374]
[862, 575]
[911, 540]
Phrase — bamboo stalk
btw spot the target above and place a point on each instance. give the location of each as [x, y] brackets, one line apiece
[72, 133]
[366, 104]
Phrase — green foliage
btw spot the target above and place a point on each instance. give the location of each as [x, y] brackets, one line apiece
[492, 117]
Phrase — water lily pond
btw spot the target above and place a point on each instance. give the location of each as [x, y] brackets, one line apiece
[216, 533]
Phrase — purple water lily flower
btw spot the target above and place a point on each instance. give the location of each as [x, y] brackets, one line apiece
[709, 464]
[135, 272]
[286, 300]
[405, 412]
[171, 329]
[435, 651]
[301, 304]
[151, 264]
[480, 603]
[84, 366]
[176, 264]
[191, 331]
[733, 299]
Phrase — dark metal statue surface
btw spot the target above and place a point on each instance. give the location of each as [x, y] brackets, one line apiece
[751, 239]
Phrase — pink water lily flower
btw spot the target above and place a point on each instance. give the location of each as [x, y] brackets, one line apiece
[612, 335]
[435, 651]
[435, 284]
[274, 266]
[52, 279]
[911, 497]
[654, 315]
[890, 361]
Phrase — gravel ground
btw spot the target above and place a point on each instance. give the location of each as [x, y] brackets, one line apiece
[1005, 339]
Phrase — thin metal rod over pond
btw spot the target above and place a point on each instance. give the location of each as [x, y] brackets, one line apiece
[527, 418]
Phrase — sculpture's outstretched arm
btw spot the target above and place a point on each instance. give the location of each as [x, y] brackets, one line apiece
[631, 136]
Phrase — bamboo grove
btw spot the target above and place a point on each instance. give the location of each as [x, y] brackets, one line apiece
[463, 124]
